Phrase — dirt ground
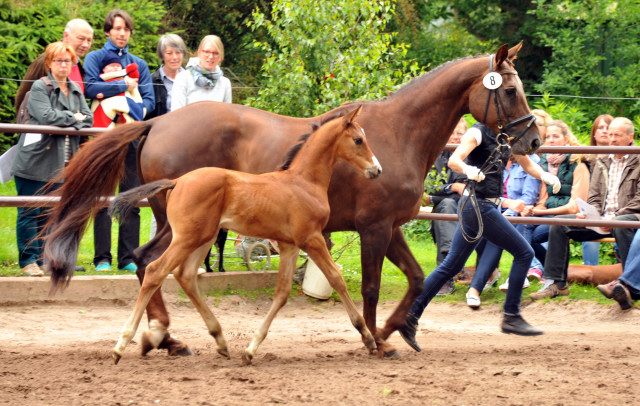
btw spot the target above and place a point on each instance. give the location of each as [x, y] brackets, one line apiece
[61, 355]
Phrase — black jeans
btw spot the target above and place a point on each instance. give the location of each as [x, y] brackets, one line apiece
[556, 263]
[129, 230]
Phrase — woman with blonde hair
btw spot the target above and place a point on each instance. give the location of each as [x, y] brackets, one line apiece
[203, 79]
[574, 179]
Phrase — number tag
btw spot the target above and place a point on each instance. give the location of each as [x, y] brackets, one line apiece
[492, 80]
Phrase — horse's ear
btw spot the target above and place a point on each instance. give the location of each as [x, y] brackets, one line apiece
[352, 115]
[513, 52]
[501, 54]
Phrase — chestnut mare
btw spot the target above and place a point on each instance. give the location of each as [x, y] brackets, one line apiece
[292, 207]
[408, 130]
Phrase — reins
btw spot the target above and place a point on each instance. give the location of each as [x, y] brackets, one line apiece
[493, 163]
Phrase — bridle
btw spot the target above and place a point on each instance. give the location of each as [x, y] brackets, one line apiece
[494, 162]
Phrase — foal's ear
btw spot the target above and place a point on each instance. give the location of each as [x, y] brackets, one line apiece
[349, 117]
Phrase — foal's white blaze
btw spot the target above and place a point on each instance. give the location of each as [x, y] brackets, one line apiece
[374, 170]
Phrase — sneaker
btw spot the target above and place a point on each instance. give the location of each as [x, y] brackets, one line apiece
[515, 324]
[103, 266]
[473, 301]
[550, 291]
[607, 289]
[505, 286]
[448, 288]
[201, 271]
[622, 296]
[493, 280]
[130, 267]
[32, 269]
[534, 274]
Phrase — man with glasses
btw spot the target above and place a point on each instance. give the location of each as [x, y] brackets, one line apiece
[118, 26]
[77, 33]
[614, 191]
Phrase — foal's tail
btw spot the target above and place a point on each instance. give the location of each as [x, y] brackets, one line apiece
[91, 176]
[124, 202]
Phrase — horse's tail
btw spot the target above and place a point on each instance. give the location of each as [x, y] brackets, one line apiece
[124, 202]
[91, 176]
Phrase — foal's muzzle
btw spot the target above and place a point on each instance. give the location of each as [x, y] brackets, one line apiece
[374, 170]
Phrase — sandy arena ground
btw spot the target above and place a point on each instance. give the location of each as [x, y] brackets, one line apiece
[61, 355]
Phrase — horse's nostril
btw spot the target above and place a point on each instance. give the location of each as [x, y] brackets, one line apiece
[535, 144]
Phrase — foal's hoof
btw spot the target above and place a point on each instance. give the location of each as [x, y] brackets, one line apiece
[247, 358]
[224, 352]
[116, 357]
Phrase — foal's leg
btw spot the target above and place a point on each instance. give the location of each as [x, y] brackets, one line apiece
[157, 335]
[156, 272]
[186, 275]
[317, 250]
[288, 258]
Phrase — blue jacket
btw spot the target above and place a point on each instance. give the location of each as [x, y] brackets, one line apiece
[521, 185]
[95, 85]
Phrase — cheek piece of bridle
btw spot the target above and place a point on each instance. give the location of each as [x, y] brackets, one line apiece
[493, 163]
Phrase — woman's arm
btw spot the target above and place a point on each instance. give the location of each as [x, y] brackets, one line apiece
[537, 172]
[456, 162]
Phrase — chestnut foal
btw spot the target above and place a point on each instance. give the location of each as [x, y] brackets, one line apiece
[290, 206]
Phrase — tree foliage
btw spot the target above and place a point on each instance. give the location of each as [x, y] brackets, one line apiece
[317, 60]
[594, 53]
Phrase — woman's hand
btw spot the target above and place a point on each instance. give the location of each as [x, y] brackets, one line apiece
[79, 116]
[515, 205]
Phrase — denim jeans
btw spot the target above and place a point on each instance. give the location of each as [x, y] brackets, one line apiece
[30, 222]
[490, 258]
[631, 274]
[443, 231]
[590, 252]
[540, 235]
[557, 260]
[496, 230]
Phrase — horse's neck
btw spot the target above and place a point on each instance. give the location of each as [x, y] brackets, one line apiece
[432, 107]
[315, 160]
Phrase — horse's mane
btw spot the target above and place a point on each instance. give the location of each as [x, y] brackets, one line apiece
[293, 151]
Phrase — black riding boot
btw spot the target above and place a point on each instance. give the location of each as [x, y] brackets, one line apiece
[408, 332]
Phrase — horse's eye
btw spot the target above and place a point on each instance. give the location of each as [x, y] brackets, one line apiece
[358, 141]
[510, 91]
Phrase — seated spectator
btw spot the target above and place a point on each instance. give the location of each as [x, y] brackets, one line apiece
[574, 178]
[615, 193]
[445, 200]
[626, 288]
[125, 107]
[54, 100]
[599, 137]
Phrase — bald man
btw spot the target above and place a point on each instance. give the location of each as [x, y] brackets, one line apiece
[79, 34]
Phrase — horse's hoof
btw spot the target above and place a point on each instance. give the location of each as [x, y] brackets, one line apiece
[224, 352]
[393, 354]
[181, 352]
[247, 358]
[116, 357]
[146, 344]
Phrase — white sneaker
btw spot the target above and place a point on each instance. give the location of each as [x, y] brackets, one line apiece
[492, 280]
[505, 286]
[473, 301]
[201, 271]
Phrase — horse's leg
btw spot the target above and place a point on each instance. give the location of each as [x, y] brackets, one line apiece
[156, 272]
[186, 275]
[288, 258]
[400, 254]
[374, 240]
[220, 241]
[316, 247]
[157, 335]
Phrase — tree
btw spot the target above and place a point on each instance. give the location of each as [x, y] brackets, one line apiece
[317, 60]
[594, 53]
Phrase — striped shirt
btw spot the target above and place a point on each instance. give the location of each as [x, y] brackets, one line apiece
[615, 176]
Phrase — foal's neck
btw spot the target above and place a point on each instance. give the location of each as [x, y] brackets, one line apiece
[316, 158]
